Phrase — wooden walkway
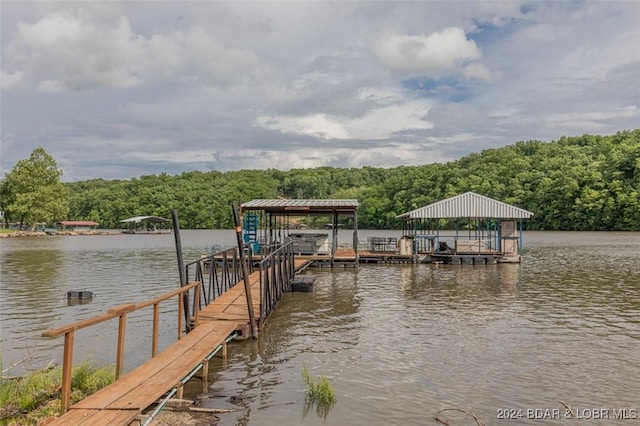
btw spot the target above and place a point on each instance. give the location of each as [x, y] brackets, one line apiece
[346, 256]
[125, 401]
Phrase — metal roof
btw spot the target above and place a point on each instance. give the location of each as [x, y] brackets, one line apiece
[468, 204]
[300, 205]
[78, 223]
[139, 219]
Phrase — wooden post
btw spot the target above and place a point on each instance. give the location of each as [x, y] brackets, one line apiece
[180, 308]
[122, 324]
[121, 311]
[334, 237]
[355, 235]
[156, 320]
[180, 391]
[196, 308]
[205, 375]
[245, 272]
[67, 366]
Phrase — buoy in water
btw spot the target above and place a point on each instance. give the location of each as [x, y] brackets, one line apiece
[303, 283]
[79, 297]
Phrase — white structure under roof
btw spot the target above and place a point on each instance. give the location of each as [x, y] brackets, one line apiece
[469, 205]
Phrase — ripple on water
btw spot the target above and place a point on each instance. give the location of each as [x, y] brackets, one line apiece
[399, 343]
[425, 338]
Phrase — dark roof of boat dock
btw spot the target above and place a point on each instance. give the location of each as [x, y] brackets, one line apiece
[302, 205]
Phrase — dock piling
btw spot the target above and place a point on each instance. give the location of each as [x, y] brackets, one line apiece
[183, 279]
[245, 272]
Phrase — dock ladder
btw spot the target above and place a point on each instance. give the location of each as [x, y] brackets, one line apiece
[250, 234]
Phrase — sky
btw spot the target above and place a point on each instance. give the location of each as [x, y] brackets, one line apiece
[118, 90]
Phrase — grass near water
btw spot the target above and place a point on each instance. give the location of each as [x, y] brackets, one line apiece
[28, 399]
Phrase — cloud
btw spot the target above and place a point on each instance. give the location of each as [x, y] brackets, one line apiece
[478, 71]
[314, 125]
[80, 51]
[11, 81]
[430, 55]
[380, 122]
[591, 121]
[122, 89]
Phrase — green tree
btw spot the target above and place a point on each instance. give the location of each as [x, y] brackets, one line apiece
[576, 183]
[32, 192]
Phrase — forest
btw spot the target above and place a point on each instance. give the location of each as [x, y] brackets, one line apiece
[575, 183]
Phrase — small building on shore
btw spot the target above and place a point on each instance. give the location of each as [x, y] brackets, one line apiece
[77, 225]
[468, 228]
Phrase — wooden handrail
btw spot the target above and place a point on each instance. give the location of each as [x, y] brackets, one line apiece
[167, 295]
[122, 309]
[110, 315]
[78, 325]
[121, 313]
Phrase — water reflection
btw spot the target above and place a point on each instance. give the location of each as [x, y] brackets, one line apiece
[28, 274]
[73, 301]
[463, 288]
[28, 280]
[37, 272]
[321, 410]
[305, 329]
[424, 338]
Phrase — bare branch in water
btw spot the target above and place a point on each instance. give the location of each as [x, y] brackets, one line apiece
[467, 412]
[573, 414]
[444, 422]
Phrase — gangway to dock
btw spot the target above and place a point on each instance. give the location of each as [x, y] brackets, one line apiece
[125, 400]
[138, 396]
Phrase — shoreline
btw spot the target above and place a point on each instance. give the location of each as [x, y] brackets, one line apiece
[17, 234]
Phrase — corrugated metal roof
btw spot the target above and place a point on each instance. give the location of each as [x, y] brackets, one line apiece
[299, 204]
[468, 204]
[78, 223]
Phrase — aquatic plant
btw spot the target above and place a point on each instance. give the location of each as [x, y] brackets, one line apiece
[321, 391]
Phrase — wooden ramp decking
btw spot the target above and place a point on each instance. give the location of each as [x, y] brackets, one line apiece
[124, 401]
[232, 305]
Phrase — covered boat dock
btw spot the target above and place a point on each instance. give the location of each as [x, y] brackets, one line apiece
[146, 225]
[266, 223]
[78, 225]
[468, 228]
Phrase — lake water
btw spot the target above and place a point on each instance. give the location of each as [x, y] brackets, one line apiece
[398, 343]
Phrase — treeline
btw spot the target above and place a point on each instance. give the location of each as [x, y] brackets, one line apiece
[575, 183]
